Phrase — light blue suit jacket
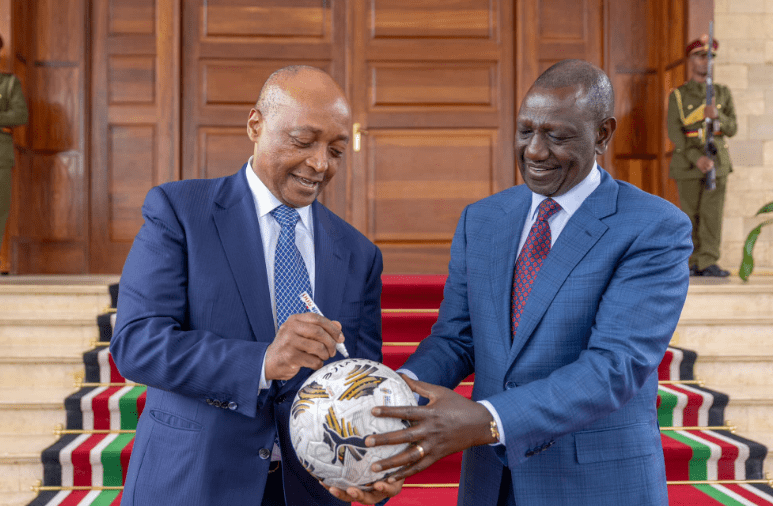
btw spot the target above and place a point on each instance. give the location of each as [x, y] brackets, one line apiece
[194, 321]
[576, 389]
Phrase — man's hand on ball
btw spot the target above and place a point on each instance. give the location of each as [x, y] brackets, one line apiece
[447, 424]
[304, 340]
[381, 490]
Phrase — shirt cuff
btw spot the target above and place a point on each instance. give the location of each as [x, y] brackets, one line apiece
[413, 377]
[490, 407]
[264, 383]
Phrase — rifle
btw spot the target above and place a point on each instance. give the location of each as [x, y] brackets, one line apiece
[711, 147]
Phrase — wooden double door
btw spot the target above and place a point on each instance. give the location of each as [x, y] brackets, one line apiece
[434, 86]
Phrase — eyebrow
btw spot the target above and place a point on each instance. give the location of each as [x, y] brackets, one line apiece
[316, 131]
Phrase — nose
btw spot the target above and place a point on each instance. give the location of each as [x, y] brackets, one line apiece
[536, 148]
[318, 160]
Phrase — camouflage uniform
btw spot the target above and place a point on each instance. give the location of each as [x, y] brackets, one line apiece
[686, 129]
[13, 112]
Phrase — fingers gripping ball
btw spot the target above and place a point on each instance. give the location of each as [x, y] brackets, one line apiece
[331, 417]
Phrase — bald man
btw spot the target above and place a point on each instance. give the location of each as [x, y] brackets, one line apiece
[562, 296]
[210, 320]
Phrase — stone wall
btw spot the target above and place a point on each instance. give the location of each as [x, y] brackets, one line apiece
[744, 62]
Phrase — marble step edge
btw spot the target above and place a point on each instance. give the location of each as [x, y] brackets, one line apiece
[74, 359]
[44, 398]
[16, 498]
[726, 321]
[76, 320]
[709, 357]
[24, 448]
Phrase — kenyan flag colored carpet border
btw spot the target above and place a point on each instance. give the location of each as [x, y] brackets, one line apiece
[692, 454]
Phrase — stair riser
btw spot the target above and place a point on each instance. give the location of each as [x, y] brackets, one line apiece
[80, 336]
[19, 477]
[720, 306]
[750, 419]
[52, 306]
[726, 339]
[46, 375]
[733, 372]
[16, 498]
[32, 420]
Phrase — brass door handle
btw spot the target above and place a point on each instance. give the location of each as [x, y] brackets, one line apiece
[357, 133]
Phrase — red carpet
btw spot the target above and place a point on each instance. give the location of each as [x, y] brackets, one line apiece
[410, 304]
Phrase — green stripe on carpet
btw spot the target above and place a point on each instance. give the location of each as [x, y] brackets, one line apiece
[701, 453]
[668, 403]
[111, 460]
[105, 498]
[712, 492]
[128, 406]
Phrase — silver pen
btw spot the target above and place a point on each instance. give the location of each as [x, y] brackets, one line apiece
[311, 306]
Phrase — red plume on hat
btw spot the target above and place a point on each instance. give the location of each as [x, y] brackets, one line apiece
[701, 44]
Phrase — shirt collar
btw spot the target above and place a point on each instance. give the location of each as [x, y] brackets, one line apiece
[573, 199]
[265, 201]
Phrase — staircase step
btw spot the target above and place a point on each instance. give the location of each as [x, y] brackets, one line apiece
[730, 336]
[749, 368]
[412, 292]
[16, 498]
[20, 464]
[54, 297]
[27, 410]
[42, 372]
[729, 298]
[35, 332]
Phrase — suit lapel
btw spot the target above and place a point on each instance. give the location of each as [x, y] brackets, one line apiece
[237, 225]
[504, 245]
[579, 235]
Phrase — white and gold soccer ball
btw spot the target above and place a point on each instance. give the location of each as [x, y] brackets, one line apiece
[331, 417]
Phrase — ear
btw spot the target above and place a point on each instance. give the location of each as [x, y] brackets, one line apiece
[254, 124]
[604, 135]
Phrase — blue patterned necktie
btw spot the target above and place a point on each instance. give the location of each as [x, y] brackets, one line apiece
[535, 250]
[290, 275]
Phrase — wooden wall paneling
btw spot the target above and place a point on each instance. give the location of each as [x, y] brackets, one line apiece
[50, 218]
[674, 16]
[232, 46]
[550, 31]
[432, 85]
[135, 119]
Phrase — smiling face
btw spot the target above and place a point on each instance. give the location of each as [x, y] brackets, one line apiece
[558, 138]
[300, 141]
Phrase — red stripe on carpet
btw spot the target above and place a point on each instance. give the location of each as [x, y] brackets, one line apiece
[81, 461]
[664, 371]
[141, 402]
[126, 453]
[395, 356]
[726, 464]
[750, 496]
[687, 495]
[100, 406]
[117, 500]
[74, 498]
[115, 376]
[677, 455]
[412, 292]
[691, 410]
[446, 470]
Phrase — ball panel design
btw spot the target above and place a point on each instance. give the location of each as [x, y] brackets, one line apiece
[331, 417]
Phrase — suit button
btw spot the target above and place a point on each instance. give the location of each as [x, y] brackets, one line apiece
[280, 399]
[510, 385]
[232, 406]
[216, 403]
[264, 453]
[530, 453]
[209, 401]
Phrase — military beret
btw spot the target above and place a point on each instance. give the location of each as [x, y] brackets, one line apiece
[701, 44]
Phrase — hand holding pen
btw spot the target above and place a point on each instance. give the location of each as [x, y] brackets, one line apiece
[311, 306]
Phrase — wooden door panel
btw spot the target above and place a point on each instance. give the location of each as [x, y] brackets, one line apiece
[423, 179]
[432, 85]
[268, 18]
[223, 150]
[135, 119]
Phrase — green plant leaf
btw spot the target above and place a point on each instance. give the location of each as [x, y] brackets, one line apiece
[747, 263]
[767, 208]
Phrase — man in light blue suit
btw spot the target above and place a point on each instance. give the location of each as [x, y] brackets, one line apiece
[197, 319]
[565, 377]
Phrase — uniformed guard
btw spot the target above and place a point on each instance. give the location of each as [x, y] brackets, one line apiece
[13, 112]
[687, 111]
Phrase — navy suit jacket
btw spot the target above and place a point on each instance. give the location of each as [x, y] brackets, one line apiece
[576, 389]
[193, 323]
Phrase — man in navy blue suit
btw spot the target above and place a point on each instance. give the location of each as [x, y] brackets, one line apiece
[198, 319]
[564, 348]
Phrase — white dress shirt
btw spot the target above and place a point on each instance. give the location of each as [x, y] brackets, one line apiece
[265, 202]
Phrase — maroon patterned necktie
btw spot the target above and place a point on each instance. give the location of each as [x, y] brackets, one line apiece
[535, 249]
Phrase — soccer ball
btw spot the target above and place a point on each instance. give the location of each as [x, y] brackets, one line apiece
[331, 417]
